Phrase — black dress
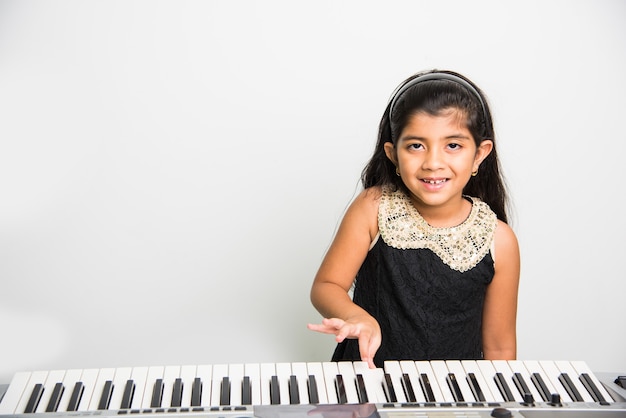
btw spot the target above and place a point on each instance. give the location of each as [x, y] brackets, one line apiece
[425, 286]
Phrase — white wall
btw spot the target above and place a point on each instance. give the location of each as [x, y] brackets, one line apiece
[171, 173]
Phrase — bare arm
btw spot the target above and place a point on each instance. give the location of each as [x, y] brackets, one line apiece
[329, 292]
[500, 309]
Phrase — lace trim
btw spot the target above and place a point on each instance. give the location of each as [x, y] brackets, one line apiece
[460, 247]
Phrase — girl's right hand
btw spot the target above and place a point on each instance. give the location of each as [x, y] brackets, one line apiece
[364, 328]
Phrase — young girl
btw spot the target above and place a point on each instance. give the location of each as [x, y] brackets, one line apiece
[425, 247]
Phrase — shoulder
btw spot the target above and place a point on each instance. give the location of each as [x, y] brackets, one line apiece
[506, 246]
[364, 210]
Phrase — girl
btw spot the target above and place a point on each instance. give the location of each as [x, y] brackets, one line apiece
[425, 247]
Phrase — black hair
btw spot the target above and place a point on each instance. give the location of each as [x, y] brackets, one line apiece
[432, 95]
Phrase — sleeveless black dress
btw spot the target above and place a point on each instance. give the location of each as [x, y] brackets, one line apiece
[425, 286]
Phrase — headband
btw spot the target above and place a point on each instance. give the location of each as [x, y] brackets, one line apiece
[435, 76]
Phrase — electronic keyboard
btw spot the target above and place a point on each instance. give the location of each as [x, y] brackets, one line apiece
[476, 388]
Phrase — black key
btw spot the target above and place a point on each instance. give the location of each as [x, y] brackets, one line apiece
[570, 388]
[294, 394]
[390, 392]
[591, 388]
[521, 385]
[342, 398]
[360, 389]
[246, 391]
[105, 398]
[157, 394]
[225, 391]
[177, 393]
[408, 388]
[426, 388]
[127, 397]
[57, 392]
[35, 397]
[76, 396]
[196, 392]
[454, 387]
[505, 391]
[313, 394]
[479, 396]
[274, 391]
[541, 386]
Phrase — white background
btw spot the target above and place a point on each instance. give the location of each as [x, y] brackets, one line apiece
[171, 173]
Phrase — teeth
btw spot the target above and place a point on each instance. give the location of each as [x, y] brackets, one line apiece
[434, 181]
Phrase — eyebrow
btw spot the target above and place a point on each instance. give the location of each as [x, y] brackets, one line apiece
[421, 138]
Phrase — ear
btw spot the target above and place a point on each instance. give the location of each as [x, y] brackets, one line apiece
[390, 151]
[483, 150]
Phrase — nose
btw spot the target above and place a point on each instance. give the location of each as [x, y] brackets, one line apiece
[433, 159]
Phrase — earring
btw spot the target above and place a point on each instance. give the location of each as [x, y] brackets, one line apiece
[397, 172]
[474, 173]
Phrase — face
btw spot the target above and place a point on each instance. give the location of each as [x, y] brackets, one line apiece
[435, 156]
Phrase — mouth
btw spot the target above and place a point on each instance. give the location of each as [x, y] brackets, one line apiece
[434, 181]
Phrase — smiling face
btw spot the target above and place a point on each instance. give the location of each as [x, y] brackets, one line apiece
[435, 156]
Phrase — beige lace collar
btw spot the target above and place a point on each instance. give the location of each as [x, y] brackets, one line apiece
[460, 247]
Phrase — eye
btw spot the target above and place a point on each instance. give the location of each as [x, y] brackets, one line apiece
[454, 145]
[414, 146]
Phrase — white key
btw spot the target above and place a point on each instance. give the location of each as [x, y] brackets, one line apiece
[120, 377]
[14, 393]
[502, 366]
[170, 374]
[408, 367]
[54, 377]
[534, 367]
[187, 374]
[104, 375]
[553, 372]
[455, 366]
[471, 366]
[349, 379]
[139, 376]
[373, 379]
[220, 371]
[440, 370]
[566, 367]
[253, 371]
[425, 367]
[35, 378]
[70, 379]
[517, 366]
[582, 367]
[283, 372]
[205, 373]
[89, 378]
[489, 373]
[393, 369]
[315, 369]
[299, 370]
[154, 373]
[267, 371]
[235, 375]
[330, 375]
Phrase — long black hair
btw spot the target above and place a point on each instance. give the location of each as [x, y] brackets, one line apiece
[432, 92]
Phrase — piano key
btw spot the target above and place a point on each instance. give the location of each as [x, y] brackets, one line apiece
[220, 371]
[330, 372]
[225, 391]
[70, 378]
[428, 382]
[129, 393]
[409, 368]
[153, 388]
[342, 397]
[581, 367]
[456, 367]
[566, 367]
[483, 381]
[267, 370]
[34, 398]
[99, 395]
[294, 391]
[373, 380]
[312, 389]
[299, 370]
[14, 393]
[570, 388]
[120, 377]
[541, 386]
[53, 377]
[177, 393]
[204, 372]
[105, 396]
[346, 370]
[504, 376]
[551, 373]
[170, 374]
[394, 371]
[540, 380]
[441, 372]
[236, 373]
[53, 402]
[283, 373]
[253, 371]
[139, 375]
[196, 392]
[187, 376]
[488, 373]
[34, 378]
[522, 377]
[274, 390]
[317, 386]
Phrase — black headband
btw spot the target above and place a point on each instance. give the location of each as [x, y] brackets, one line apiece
[435, 76]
